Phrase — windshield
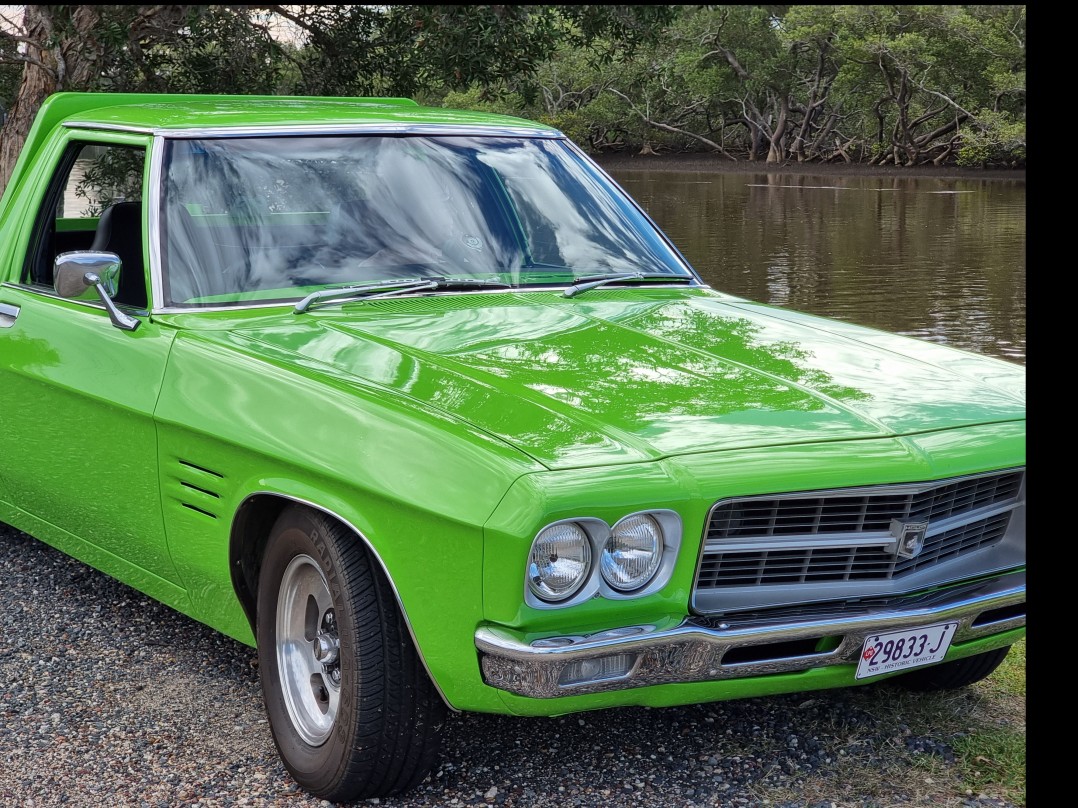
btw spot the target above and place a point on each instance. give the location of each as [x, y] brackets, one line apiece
[267, 219]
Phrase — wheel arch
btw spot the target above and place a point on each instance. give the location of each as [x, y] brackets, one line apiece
[247, 542]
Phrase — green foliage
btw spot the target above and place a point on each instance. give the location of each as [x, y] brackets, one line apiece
[606, 34]
[112, 176]
[921, 67]
[1000, 141]
[475, 98]
[393, 49]
[122, 48]
[411, 49]
[930, 82]
[222, 52]
[941, 82]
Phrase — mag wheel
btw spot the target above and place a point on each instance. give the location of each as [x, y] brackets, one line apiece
[352, 710]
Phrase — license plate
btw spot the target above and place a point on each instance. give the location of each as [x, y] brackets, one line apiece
[900, 650]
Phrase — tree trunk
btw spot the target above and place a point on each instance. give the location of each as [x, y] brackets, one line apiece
[877, 111]
[756, 143]
[817, 96]
[63, 51]
[39, 80]
[776, 153]
[825, 133]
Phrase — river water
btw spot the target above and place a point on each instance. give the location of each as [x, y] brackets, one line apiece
[939, 259]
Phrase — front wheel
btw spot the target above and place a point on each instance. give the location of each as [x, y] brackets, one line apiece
[954, 674]
[352, 710]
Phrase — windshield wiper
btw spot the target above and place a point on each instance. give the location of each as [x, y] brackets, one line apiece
[584, 284]
[371, 291]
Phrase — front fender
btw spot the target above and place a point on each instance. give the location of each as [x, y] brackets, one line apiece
[415, 485]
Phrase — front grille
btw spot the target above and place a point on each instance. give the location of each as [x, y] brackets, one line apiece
[844, 535]
[835, 609]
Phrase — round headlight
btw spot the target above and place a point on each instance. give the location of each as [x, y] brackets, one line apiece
[559, 562]
[632, 553]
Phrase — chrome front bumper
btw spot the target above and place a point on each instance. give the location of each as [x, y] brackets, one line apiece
[703, 649]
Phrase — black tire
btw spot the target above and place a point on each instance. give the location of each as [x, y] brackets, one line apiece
[952, 675]
[370, 726]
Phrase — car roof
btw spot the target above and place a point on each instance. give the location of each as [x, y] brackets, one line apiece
[178, 113]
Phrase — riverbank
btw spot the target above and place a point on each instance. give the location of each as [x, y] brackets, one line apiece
[713, 163]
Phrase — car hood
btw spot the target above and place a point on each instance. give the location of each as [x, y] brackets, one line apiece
[617, 376]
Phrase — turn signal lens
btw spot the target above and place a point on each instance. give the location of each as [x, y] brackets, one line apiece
[596, 670]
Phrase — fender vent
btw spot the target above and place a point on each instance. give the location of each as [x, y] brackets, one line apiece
[197, 488]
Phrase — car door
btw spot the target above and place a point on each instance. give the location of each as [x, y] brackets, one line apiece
[77, 393]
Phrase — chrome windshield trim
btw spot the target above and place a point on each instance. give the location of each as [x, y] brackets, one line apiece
[154, 230]
[366, 128]
[111, 127]
[691, 652]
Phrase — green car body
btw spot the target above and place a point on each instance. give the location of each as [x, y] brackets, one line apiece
[446, 430]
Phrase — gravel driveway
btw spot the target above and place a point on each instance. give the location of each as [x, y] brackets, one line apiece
[108, 698]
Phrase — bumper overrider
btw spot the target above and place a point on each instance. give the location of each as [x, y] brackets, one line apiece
[710, 648]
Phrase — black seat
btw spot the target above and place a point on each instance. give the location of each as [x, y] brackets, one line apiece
[119, 230]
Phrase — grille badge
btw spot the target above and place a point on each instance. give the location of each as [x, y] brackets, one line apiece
[909, 536]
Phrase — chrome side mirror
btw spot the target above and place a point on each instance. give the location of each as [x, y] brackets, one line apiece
[75, 273]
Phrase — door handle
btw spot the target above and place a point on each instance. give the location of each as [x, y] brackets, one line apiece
[8, 313]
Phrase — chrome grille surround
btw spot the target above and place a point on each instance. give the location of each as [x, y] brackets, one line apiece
[838, 544]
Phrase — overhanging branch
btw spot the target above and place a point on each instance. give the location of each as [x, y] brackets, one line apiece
[23, 59]
[665, 127]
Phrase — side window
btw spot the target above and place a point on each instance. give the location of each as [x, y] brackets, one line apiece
[100, 176]
[94, 202]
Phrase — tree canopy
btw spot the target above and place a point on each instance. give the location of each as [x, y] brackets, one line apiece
[881, 84]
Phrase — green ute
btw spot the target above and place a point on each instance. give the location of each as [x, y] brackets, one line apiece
[424, 407]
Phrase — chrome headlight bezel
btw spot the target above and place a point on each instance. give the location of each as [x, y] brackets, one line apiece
[670, 528]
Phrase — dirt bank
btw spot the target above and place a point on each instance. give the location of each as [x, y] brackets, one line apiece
[716, 163]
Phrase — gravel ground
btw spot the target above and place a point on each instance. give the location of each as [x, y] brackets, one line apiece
[108, 698]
